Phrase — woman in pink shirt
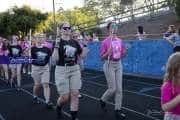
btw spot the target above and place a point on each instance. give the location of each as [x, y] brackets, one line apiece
[112, 51]
[85, 50]
[24, 43]
[170, 90]
[3, 55]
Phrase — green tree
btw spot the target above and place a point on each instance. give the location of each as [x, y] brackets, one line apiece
[78, 17]
[19, 21]
[107, 8]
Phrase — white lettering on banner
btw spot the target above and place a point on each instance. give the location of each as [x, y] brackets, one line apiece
[20, 60]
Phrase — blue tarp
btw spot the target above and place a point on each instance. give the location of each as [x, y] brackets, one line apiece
[145, 57]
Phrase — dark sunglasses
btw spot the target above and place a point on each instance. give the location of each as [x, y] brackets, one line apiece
[66, 28]
[75, 36]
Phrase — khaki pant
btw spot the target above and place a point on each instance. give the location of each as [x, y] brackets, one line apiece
[113, 74]
[40, 74]
[16, 69]
[67, 78]
[5, 70]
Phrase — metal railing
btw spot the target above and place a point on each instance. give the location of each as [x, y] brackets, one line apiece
[151, 10]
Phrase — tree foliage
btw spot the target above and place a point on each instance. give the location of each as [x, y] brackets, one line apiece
[79, 17]
[108, 7]
[19, 21]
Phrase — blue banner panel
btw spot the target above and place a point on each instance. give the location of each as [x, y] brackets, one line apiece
[17, 60]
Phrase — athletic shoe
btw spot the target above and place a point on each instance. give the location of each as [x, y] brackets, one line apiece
[35, 100]
[79, 96]
[59, 111]
[49, 105]
[119, 115]
[102, 104]
[74, 115]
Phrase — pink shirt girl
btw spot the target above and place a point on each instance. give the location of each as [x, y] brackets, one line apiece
[118, 48]
[25, 45]
[168, 92]
[3, 52]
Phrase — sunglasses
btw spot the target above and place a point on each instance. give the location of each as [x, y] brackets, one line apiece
[66, 28]
[75, 36]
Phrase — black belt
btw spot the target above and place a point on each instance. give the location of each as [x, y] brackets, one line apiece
[68, 64]
[116, 60]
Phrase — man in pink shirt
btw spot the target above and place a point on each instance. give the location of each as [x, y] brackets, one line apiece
[112, 51]
[4, 59]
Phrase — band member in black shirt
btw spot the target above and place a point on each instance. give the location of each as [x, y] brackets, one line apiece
[15, 51]
[40, 70]
[67, 74]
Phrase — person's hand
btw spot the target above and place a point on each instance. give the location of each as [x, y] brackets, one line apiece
[109, 51]
[124, 54]
[178, 98]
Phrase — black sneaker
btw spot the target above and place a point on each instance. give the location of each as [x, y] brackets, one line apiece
[74, 115]
[35, 100]
[12, 84]
[119, 115]
[102, 104]
[8, 83]
[59, 111]
[49, 105]
[18, 88]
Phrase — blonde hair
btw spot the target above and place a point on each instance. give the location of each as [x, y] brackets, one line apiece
[172, 68]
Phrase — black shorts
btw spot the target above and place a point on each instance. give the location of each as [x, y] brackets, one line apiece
[176, 49]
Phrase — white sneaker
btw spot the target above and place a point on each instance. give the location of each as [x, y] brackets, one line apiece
[24, 71]
[79, 96]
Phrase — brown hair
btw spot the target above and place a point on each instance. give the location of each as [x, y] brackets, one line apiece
[109, 25]
[172, 68]
[172, 27]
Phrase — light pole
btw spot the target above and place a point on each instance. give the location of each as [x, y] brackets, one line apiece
[54, 20]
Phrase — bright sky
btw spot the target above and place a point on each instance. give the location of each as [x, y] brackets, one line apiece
[43, 5]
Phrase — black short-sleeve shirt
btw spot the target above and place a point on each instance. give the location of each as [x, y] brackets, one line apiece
[40, 56]
[15, 50]
[68, 52]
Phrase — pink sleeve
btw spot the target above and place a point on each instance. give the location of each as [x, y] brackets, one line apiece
[103, 48]
[27, 45]
[166, 93]
[48, 45]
